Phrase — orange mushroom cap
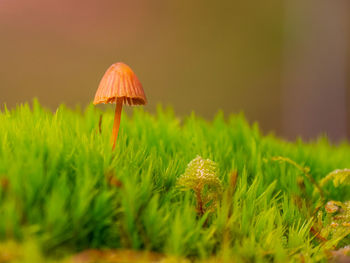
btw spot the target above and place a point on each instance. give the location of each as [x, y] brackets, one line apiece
[120, 81]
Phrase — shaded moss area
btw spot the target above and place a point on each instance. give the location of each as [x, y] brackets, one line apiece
[65, 190]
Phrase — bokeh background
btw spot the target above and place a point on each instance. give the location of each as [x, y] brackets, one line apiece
[284, 63]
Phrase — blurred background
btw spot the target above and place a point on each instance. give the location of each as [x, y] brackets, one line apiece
[284, 63]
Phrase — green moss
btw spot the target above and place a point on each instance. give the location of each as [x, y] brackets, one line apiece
[56, 171]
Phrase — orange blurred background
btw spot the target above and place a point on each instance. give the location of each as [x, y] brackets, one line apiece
[284, 63]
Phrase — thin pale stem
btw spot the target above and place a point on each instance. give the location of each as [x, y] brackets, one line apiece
[200, 208]
[117, 117]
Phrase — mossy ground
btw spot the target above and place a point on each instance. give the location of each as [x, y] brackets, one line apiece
[64, 190]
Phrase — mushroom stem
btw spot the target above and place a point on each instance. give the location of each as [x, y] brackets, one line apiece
[117, 117]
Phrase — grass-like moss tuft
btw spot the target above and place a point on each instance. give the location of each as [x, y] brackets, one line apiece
[63, 188]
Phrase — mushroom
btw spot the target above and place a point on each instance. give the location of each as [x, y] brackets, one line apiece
[121, 86]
